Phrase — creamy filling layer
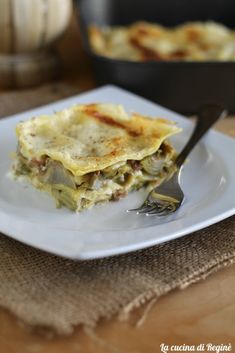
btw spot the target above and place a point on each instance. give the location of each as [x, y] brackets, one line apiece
[112, 183]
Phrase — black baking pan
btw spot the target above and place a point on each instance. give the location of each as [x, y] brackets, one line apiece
[181, 86]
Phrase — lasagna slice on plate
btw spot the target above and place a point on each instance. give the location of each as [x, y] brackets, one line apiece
[93, 153]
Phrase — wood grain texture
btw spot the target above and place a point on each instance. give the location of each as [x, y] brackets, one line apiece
[202, 313]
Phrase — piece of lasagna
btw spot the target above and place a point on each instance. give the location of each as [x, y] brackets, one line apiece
[142, 41]
[93, 153]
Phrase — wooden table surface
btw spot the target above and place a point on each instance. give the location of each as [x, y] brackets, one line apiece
[202, 313]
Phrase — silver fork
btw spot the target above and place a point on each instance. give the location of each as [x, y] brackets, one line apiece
[168, 197]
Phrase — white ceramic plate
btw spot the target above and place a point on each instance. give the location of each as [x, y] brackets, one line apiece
[30, 216]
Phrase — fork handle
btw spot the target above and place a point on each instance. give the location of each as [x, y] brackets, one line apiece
[208, 115]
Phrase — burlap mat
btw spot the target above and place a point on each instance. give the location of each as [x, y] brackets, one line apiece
[49, 291]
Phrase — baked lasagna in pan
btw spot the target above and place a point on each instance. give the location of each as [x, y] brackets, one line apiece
[143, 41]
[93, 153]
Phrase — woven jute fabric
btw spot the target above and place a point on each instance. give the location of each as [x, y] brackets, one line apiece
[51, 292]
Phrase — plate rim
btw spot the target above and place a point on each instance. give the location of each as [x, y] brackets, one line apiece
[86, 255]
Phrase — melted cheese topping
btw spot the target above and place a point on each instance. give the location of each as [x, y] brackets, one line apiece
[87, 138]
[144, 41]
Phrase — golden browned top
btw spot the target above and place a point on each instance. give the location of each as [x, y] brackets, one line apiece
[87, 138]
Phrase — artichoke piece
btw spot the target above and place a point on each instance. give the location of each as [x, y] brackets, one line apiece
[57, 174]
[96, 180]
[21, 168]
[153, 164]
[63, 197]
[160, 161]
